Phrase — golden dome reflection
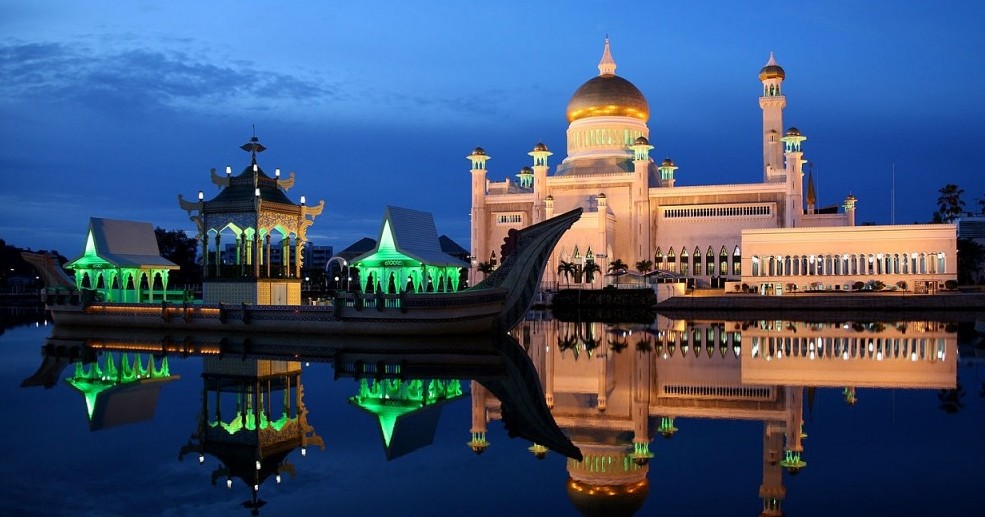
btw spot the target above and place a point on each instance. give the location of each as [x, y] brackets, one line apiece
[608, 96]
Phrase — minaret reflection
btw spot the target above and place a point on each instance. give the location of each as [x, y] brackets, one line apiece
[613, 387]
[253, 417]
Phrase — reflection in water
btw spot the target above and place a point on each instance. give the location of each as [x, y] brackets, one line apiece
[253, 416]
[612, 388]
[265, 421]
[598, 394]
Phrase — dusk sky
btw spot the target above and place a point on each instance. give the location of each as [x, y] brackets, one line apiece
[112, 110]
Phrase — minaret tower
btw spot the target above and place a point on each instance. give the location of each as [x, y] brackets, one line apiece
[640, 195]
[540, 154]
[811, 196]
[772, 103]
[478, 158]
[795, 176]
[850, 208]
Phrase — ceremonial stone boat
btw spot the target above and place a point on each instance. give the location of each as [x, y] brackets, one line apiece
[494, 305]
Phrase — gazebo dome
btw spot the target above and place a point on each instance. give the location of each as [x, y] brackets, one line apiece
[478, 151]
[793, 132]
[641, 141]
[540, 147]
[667, 163]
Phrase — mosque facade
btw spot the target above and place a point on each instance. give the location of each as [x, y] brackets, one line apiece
[634, 211]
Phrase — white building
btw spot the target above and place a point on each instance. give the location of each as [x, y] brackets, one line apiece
[633, 209]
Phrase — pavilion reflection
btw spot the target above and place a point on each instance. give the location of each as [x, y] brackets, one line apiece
[253, 416]
[613, 388]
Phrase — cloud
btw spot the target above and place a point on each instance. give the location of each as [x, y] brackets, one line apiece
[144, 79]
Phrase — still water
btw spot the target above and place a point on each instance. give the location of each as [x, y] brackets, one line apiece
[671, 417]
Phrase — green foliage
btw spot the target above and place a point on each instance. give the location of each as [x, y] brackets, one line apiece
[644, 266]
[971, 255]
[181, 249]
[590, 269]
[617, 266]
[949, 205]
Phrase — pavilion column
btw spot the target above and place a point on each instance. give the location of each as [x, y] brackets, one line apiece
[267, 251]
[205, 253]
[164, 283]
[218, 254]
[285, 256]
[298, 259]
[256, 253]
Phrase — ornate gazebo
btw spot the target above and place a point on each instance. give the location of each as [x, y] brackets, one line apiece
[269, 230]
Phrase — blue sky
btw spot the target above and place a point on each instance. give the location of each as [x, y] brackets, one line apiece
[113, 110]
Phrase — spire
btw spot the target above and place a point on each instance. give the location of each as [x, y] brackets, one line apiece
[811, 197]
[253, 146]
[772, 61]
[606, 65]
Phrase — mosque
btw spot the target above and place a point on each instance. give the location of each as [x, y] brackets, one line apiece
[635, 212]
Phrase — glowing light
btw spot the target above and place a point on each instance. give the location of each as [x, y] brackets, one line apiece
[812, 355]
[201, 459]
[229, 170]
[201, 195]
[254, 167]
[229, 483]
[256, 488]
[258, 464]
[844, 355]
[302, 200]
[913, 356]
[257, 192]
[879, 355]
[277, 172]
[277, 478]
[304, 451]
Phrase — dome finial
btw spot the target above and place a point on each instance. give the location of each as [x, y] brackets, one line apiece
[772, 60]
[606, 65]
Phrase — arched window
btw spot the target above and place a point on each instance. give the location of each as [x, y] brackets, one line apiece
[709, 261]
[737, 262]
[697, 262]
[671, 261]
[658, 260]
[941, 264]
[685, 262]
[755, 265]
[723, 262]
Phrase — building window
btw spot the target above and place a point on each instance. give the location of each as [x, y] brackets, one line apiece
[723, 262]
[658, 260]
[697, 261]
[737, 262]
[671, 261]
[509, 219]
[684, 262]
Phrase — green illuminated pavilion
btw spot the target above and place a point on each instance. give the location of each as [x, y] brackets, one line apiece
[121, 389]
[407, 410]
[122, 262]
[408, 255]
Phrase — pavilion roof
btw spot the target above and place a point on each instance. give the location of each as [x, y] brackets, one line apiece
[122, 244]
[413, 234]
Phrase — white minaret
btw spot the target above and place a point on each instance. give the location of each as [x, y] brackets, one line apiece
[772, 103]
[795, 177]
[478, 159]
[640, 196]
[540, 155]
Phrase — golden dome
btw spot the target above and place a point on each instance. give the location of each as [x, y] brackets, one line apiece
[540, 147]
[772, 70]
[478, 151]
[608, 500]
[793, 132]
[608, 96]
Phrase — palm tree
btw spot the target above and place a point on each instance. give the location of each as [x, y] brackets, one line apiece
[644, 266]
[566, 269]
[590, 269]
[949, 204]
[617, 266]
[485, 268]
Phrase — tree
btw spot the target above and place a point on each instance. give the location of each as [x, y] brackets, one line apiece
[617, 266]
[181, 249]
[485, 268]
[644, 266]
[566, 269]
[590, 269]
[949, 204]
[970, 258]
